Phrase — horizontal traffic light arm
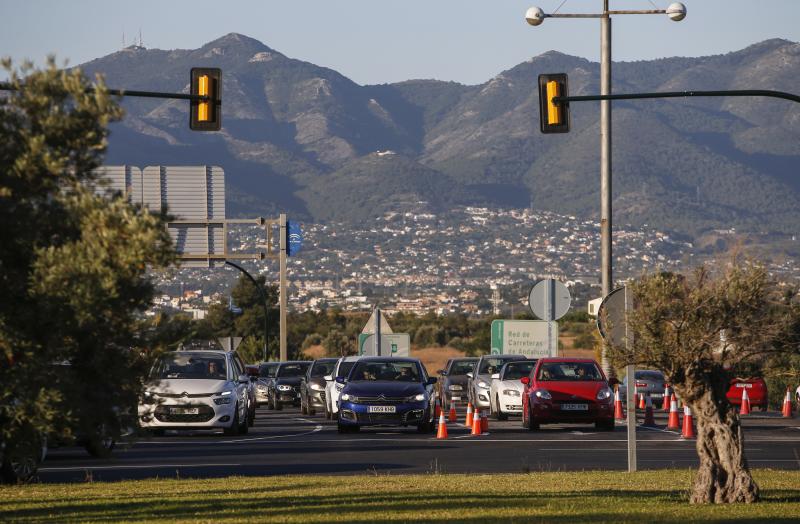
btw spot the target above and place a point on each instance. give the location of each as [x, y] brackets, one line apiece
[679, 94]
[5, 86]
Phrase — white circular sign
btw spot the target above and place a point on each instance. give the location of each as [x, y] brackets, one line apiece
[549, 299]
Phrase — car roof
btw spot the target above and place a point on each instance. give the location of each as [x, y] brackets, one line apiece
[567, 359]
[199, 352]
[295, 362]
[391, 359]
[327, 359]
[503, 356]
[351, 358]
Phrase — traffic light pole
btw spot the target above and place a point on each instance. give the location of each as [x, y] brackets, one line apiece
[283, 298]
[606, 263]
[678, 94]
[5, 86]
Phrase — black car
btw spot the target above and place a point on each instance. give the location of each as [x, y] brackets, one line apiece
[312, 386]
[266, 374]
[285, 387]
[454, 381]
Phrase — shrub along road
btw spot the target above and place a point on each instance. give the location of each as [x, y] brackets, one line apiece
[286, 442]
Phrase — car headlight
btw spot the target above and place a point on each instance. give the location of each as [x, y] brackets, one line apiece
[317, 387]
[416, 398]
[339, 386]
[543, 394]
[346, 397]
[603, 394]
[284, 387]
[455, 387]
[511, 392]
[225, 393]
[483, 384]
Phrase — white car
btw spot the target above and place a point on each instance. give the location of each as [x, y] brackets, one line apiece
[480, 379]
[506, 390]
[196, 389]
[332, 388]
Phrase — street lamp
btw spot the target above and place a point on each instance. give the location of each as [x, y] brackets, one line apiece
[535, 16]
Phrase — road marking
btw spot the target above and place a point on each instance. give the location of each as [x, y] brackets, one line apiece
[138, 466]
[316, 429]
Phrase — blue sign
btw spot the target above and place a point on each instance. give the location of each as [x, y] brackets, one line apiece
[233, 308]
[294, 238]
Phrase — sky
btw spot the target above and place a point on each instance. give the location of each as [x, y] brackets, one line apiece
[382, 41]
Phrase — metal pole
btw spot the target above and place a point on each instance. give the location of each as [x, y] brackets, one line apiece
[282, 256]
[605, 166]
[630, 390]
[377, 332]
[263, 299]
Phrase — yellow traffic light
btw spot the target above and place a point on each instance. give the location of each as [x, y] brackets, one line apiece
[206, 114]
[553, 116]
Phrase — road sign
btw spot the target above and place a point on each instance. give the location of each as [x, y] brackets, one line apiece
[549, 299]
[532, 338]
[229, 343]
[369, 328]
[294, 238]
[194, 195]
[392, 345]
[611, 317]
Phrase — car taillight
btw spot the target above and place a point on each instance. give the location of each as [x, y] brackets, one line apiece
[641, 384]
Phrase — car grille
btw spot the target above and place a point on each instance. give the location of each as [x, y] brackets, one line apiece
[205, 413]
[380, 400]
[181, 395]
[408, 417]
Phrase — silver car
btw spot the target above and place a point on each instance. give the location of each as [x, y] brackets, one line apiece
[647, 381]
[480, 380]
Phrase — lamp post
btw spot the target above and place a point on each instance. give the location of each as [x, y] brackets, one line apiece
[535, 16]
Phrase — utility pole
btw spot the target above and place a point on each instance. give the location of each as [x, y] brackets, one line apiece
[282, 290]
[605, 166]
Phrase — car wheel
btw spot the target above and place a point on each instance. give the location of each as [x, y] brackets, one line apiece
[344, 428]
[251, 417]
[275, 404]
[327, 413]
[532, 424]
[21, 462]
[604, 425]
[233, 430]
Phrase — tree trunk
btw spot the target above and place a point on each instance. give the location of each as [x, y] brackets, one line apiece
[724, 476]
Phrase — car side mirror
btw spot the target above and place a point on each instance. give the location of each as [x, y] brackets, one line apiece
[244, 379]
[328, 378]
[432, 380]
[470, 374]
[525, 380]
[341, 380]
[495, 375]
[442, 372]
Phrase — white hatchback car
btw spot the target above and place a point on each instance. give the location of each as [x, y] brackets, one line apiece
[333, 388]
[505, 393]
[196, 389]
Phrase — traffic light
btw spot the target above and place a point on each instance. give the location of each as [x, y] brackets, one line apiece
[553, 116]
[206, 115]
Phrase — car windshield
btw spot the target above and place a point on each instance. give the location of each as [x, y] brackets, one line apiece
[321, 369]
[517, 370]
[490, 366]
[344, 369]
[462, 367]
[267, 371]
[393, 371]
[656, 376]
[569, 371]
[293, 370]
[189, 366]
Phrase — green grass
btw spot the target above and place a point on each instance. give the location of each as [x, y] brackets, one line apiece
[650, 496]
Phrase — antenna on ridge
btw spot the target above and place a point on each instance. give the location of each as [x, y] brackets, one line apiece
[123, 38]
[141, 42]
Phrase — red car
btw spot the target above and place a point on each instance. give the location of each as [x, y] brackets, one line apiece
[567, 390]
[756, 391]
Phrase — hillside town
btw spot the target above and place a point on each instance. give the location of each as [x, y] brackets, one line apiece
[472, 260]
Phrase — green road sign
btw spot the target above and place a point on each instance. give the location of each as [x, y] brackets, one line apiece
[532, 338]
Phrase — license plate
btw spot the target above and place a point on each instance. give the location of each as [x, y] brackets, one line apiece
[574, 407]
[382, 409]
[184, 411]
[658, 395]
[744, 385]
[455, 398]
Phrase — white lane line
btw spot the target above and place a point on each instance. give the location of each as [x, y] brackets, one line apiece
[137, 466]
[316, 429]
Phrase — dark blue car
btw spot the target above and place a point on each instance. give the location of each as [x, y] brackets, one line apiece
[382, 391]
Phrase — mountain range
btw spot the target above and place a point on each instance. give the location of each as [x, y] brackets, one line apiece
[306, 140]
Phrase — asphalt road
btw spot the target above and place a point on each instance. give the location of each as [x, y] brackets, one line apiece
[286, 442]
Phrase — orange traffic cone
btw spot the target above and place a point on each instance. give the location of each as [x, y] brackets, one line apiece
[437, 410]
[442, 432]
[476, 422]
[642, 403]
[688, 426]
[787, 404]
[745, 409]
[674, 421]
[649, 420]
[485, 421]
[619, 414]
[452, 416]
[468, 422]
[665, 401]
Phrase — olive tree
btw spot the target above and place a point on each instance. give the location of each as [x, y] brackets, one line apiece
[700, 329]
